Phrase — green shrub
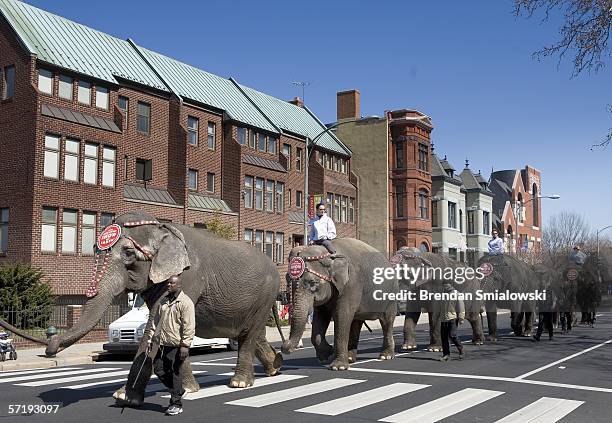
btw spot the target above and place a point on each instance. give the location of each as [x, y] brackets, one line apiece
[219, 228]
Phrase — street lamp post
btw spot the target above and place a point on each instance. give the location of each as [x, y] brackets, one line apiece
[597, 242]
[515, 212]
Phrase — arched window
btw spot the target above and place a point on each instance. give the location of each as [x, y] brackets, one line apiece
[509, 232]
[423, 204]
[519, 208]
[400, 243]
[534, 204]
[424, 247]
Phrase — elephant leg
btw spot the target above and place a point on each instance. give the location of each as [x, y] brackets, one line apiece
[343, 318]
[132, 393]
[388, 347]
[354, 340]
[243, 374]
[435, 337]
[516, 321]
[492, 324]
[410, 323]
[528, 323]
[320, 323]
[270, 359]
[477, 333]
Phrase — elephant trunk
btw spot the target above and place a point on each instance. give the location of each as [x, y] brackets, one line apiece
[299, 316]
[93, 311]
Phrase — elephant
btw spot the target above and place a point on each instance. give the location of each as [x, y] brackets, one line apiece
[232, 285]
[340, 286]
[415, 258]
[508, 273]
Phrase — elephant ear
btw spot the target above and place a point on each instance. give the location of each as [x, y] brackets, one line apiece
[339, 272]
[171, 258]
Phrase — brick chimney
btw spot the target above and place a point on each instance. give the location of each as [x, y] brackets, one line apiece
[349, 105]
[297, 102]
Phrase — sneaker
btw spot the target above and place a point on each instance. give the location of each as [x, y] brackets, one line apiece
[445, 358]
[461, 353]
[300, 344]
[174, 410]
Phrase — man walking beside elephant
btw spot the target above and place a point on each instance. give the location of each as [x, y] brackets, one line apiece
[453, 313]
[172, 329]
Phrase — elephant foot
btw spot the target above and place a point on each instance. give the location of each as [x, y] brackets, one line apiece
[491, 338]
[241, 381]
[339, 365]
[352, 356]
[122, 400]
[325, 354]
[434, 348]
[407, 346]
[477, 342]
[386, 355]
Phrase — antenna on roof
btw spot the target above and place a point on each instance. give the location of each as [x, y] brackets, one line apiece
[467, 163]
[302, 84]
[432, 147]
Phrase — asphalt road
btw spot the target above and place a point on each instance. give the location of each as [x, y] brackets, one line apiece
[515, 380]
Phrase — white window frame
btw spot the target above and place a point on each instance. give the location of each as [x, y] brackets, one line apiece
[88, 233]
[109, 160]
[49, 231]
[211, 135]
[280, 197]
[210, 187]
[90, 160]
[102, 94]
[84, 92]
[279, 247]
[72, 156]
[63, 84]
[45, 81]
[192, 173]
[69, 231]
[269, 195]
[259, 189]
[51, 154]
[193, 131]
[248, 192]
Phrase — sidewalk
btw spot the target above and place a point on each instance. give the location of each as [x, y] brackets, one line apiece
[34, 358]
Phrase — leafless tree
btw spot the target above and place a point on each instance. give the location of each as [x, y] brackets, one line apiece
[585, 34]
[564, 231]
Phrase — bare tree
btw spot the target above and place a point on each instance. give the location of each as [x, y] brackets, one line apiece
[564, 231]
[585, 33]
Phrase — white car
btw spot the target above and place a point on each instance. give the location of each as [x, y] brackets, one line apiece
[124, 334]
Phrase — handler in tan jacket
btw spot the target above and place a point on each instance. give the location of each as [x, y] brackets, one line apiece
[453, 313]
[173, 330]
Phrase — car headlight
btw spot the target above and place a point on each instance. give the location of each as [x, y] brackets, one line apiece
[140, 330]
[115, 334]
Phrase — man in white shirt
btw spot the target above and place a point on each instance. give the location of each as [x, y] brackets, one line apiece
[496, 245]
[322, 229]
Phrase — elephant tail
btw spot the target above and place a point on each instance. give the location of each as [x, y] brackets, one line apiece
[277, 321]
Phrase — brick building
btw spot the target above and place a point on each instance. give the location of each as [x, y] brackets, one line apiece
[391, 157]
[94, 126]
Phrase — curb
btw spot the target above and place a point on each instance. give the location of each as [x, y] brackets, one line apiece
[51, 362]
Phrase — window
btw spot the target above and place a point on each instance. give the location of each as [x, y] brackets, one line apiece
[144, 169]
[452, 253]
[69, 231]
[423, 155]
[351, 210]
[336, 164]
[210, 182]
[45, 81]
[9, 82]
[471, 226]
[51, 166]
[259, 183]
[279, 244]
[193, 179]
[290, 197]
[434, 214]
[211, 135]
[242, 136]
[452, 215]
[343, 165]
[88, 233]
[105, 220]
[327, 160]
[330, 208]
[298, 199]
[534, 205]
[269, 246]
[269, 195]
[192, 130]
[287, 153]
[399, 201]
[400, 243]
[65, 87]
[320, 158]
[337, 207]
[272, 145]
[460, 220]
[143, 118]
[423, 204]
[280, 197]
[253, 139]
[259, 240]
[485, 222]
[84, 93]
[4, 221]
[343, 209]
[248, 192]
[49, 230]
[261, 142]
[124, 106]
[298, 159]
[90, 170]
[71, 160]
[399, 155]
[248, 236]
[102, 98]
[108, 167]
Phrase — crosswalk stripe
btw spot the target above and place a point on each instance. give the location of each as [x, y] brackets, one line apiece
[29, 372]
[160, 387]
[362, 399]
[443, 407]
[74, 378]
[293, 393]
[112, 381]
[224, 389]
[64, 373]
[544, 410]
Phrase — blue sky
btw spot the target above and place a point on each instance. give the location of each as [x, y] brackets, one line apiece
[466, 64]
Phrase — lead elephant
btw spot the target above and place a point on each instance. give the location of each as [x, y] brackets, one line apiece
[341, 287]
[232, 285]
[431, 281]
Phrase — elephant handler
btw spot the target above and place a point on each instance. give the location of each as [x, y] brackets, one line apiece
[453, 313]
[173, 330]
[322, 229]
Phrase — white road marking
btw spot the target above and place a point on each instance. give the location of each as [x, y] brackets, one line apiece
[224, 389]
[74, 378]
[112, 382]
[443, 407]
[43, 370]
[497, 378]
[544, 410]
[378, 359]
[554, 363]
[262, 400]
[63, 373]
[362, 399]
[562, 367]
[216, 359]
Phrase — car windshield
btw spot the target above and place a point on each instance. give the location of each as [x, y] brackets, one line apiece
[139, 302]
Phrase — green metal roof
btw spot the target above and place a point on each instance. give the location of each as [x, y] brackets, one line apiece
[73, 46]
[203, 202]
[195, 84]
[294, 119]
